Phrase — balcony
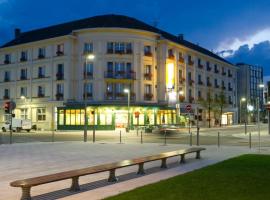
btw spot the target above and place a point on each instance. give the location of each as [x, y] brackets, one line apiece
[230, 75]
[109, 51]
[119, 52]
[6, 79]
[216, 86]
[7, 62]
[88, 95]
[23, 78]
[59, 76]
[223, 87]
[181, 60]
[41, 76]
[224, 73]
[190, 62]
[200, 66]
[200, 82]
[41, 56]
[59, 53]
[119, 96]
[208, 68]
[40, 95]
[148, 76]
[23, 59]
[216, 71]
[191, 99]
[182, 80]
[59, 96]
[88, 75]
[148, 53]
[209, 84]
[148, 96]
[190, 82]
[5, 97]
[171, 56]
[120, 75]
[230, 89]
[181, 98]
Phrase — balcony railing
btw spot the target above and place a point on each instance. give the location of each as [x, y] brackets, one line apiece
[209, 84]
[148, 53]
[59, 53]
[200, 82]
[190, 82]
[5, 97]
[41, 56]
[190, 62]
[223, 88]
[224, 73]
[182, 80]
[6, 79]
[6, 62]
[119, 96]
[230, 89]
[216, 86]
[59, 96]
[22, 78]
[208, 68]
[59, 76]
[216, 71]
[88, 75]
[23, 59]
[41, 95]
[120, 75]
[88, 95]
[148, 96]
[41, 76]
[148, 76]
[200, 66]
[171, 56]
[230, 75]
[181, 60]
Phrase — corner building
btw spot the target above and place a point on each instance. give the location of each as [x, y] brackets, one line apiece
[52, 69]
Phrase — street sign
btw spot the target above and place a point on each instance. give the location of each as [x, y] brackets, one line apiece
[188, 108]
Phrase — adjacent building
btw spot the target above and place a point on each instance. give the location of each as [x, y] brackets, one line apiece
[57, 74]
[250, 77]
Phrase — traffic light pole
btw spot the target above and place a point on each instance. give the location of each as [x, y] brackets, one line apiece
[10, 134]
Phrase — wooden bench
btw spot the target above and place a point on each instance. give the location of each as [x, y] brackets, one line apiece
[26, 184]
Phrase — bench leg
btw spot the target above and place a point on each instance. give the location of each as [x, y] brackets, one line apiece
[198, 154]
[141, 169]
[75, 184]
[112, 177]
[26, 193]
[182, 160]
[163, 163]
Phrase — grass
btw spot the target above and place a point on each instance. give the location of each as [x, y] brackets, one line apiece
[242, 178]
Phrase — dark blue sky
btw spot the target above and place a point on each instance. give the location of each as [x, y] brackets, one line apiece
[214, 24]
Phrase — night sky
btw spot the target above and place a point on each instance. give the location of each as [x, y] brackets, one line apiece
[238, 29]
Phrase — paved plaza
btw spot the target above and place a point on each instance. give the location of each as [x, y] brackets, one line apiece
[34, 159]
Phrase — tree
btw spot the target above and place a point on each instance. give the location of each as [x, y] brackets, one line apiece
[208, 104]
[221, 104]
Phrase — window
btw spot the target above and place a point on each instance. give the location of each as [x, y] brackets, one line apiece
[23, 91]
[199, 94]
[147, 50]
[110, 46]
[199, 78]
[88, 47]
[61, 117]
[41, 114]
[60, 72]
[59, 88]
[23, 74]
[147, 72]
[7, 59]
[24, 113]
[148, 89]
[119, 68]
[119, 47]
[88, 89]
[41, 72]
[60, 49]
[6, 94]
[41, 91]
[41, 52]
[24, 56]
[88, 69]
[128, 48]
[7, 76]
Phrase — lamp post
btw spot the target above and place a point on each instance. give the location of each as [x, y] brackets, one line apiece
[128, 92]
[243, 99]
[260, 86]
[24, 98]
[87, 57]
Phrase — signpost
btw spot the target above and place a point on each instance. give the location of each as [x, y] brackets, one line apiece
[137, 115]
[188, 109]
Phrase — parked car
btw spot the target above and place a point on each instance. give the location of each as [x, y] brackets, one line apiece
[17, 125]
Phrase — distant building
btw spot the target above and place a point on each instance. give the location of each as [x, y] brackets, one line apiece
[249, 77]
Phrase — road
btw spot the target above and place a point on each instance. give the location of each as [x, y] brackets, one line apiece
[233, 135]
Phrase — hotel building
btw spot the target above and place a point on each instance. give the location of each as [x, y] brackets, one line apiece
[59, 69]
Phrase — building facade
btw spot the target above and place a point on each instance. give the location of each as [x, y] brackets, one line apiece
[250, 77]
[57, 74]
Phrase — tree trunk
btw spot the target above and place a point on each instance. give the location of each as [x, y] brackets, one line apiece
[209, 115]
[221, 110]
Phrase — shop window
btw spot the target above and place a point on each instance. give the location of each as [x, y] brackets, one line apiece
[72, 117]
[105, 119]
[61, 117]
[41, 114]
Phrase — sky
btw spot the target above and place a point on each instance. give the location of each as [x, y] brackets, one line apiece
[238, 30]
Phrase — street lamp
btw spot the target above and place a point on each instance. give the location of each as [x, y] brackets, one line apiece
[24, 98]
[128, 92]
[260, 86]
[87, 58]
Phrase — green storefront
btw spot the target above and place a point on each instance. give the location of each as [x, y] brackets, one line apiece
[109, 117]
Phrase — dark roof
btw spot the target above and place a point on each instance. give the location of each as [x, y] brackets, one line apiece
[106, 21]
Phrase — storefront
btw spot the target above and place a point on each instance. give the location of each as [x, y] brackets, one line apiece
[112, 117]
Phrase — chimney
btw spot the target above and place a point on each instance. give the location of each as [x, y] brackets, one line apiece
[17, 32]
[180, 36]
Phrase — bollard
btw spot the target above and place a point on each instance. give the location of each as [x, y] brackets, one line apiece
[218, 139]
[250, 140]
[10, 134]
[141, 138]
[190, 139]
[198, 136]
[120, 137]
[94, 134]
[165, 137]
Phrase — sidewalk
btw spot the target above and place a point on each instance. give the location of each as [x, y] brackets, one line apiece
[34, 159]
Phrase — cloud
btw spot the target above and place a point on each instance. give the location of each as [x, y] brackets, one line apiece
[234, 44]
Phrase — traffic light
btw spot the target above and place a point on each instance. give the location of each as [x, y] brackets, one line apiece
[7, 107]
